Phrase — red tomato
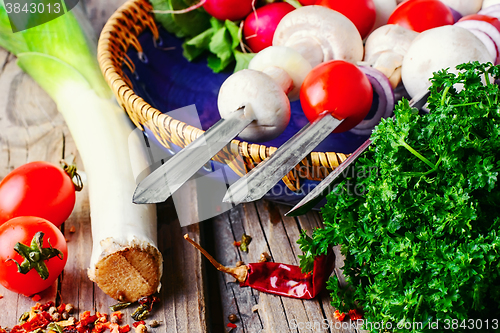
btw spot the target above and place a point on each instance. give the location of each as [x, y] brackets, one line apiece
[307, 2]
[478, 17]
[421, 15]
[233, 10]
[361, 12]
[23, 229]
[37, 189]
[339, 87]
[259, 26]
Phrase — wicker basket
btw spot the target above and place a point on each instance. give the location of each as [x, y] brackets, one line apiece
[120, 33]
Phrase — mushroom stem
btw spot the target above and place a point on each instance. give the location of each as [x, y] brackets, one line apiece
[239, 273]
[281, 77]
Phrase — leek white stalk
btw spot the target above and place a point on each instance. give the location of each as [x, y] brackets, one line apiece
[126, 263]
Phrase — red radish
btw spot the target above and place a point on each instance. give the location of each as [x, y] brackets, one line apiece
[233, 10]
[361, 12]
[260, 25]
[421, 15]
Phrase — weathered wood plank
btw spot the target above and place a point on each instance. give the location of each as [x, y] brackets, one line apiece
[277, 235]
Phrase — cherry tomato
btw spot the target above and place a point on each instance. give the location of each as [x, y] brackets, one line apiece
[421, 15]
[37, 189]
[307, 2]
[259, 26]
[339, 87]
[486, 18]
[23, 230]
[361, 12]
[233, 10]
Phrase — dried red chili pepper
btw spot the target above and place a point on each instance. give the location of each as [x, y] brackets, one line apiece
[276, 278]
[339, 315]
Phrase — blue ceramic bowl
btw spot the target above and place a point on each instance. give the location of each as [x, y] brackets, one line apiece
[167, 81]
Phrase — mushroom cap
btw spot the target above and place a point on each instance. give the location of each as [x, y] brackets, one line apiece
[287, 59]
[260, 95]
[436, 49]
[384, 9]
[337, 36]
[390, 37]
[464, 7]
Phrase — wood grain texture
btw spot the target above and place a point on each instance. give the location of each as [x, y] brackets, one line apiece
[276, 235]
[31, 129]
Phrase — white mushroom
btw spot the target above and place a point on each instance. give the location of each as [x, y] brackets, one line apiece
[464, 7]
[385, 49]
[436, 49]
[283, 64]
[319, 34]
[263, 99]
[488, 3]
[384, 9]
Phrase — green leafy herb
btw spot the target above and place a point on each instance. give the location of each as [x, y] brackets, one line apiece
[204, 35]
[421, 234]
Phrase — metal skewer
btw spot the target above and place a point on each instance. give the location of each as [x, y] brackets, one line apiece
[327, 184]
[167, 179]
[255, 184]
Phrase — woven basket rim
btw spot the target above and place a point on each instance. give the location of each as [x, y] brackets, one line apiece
[118, 35]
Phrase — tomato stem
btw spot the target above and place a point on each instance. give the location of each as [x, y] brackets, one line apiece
[72, 172]
[35, 255]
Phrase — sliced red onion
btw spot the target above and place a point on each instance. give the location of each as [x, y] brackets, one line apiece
[493, 10]
[456, 15]
[382, 87]
[486, 28]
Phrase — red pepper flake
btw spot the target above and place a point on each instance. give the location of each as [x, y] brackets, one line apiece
[1, 296]
[36, 298]
[40, 320]
[355, 315]
[137, 323]
[72, 229]
[61, 308]
[237, 243]
[339, 315]
[124, 329]
[231, 325]
[1, 329]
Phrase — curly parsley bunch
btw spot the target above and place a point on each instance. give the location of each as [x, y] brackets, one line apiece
[422, 240]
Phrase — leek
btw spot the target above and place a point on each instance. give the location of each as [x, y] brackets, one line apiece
[60, 56]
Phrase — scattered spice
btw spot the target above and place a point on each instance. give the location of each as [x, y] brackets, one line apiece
[119, 306]
[2, 330]
[72, 229]
[264, 257]
[46, 318]
[69, 308]
[232, 318]
[1, 296]
[145, 307]
[141, 329]
[245, 241]
[355, 315]
[278, 279]
[340, 316]
[237, 244]
[137, 323]
[154, 323]
[231, 325]
[116, 317]
[36, 298]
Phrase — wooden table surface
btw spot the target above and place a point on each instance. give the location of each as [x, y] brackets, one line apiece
[194, 296]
